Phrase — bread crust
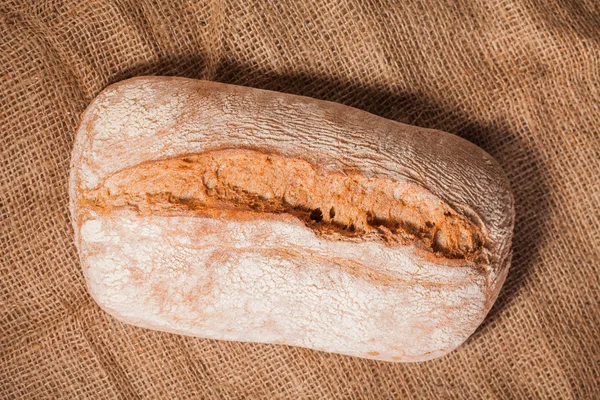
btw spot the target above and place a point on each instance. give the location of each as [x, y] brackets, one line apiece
[178, 201]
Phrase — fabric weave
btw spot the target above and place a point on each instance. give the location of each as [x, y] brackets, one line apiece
[520, 78]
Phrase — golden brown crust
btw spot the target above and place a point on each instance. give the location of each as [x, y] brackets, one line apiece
[242, 184]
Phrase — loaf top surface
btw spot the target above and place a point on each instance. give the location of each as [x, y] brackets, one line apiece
[161, 122]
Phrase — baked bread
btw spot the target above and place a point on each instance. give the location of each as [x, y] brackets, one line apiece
[233, 213]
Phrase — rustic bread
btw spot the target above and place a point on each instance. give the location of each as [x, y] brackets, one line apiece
[234, 213]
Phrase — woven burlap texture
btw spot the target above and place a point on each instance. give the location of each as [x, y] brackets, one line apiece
[520, 78]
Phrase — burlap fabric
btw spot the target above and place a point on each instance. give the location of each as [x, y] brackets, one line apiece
[517, 77]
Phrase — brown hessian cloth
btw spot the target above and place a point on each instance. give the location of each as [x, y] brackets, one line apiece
[520, 78]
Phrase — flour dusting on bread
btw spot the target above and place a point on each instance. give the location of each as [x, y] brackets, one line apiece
[233, 213]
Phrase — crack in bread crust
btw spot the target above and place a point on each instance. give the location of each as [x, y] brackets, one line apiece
[245, 184]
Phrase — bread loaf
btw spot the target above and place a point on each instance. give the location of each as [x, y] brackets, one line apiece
[226, 212]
